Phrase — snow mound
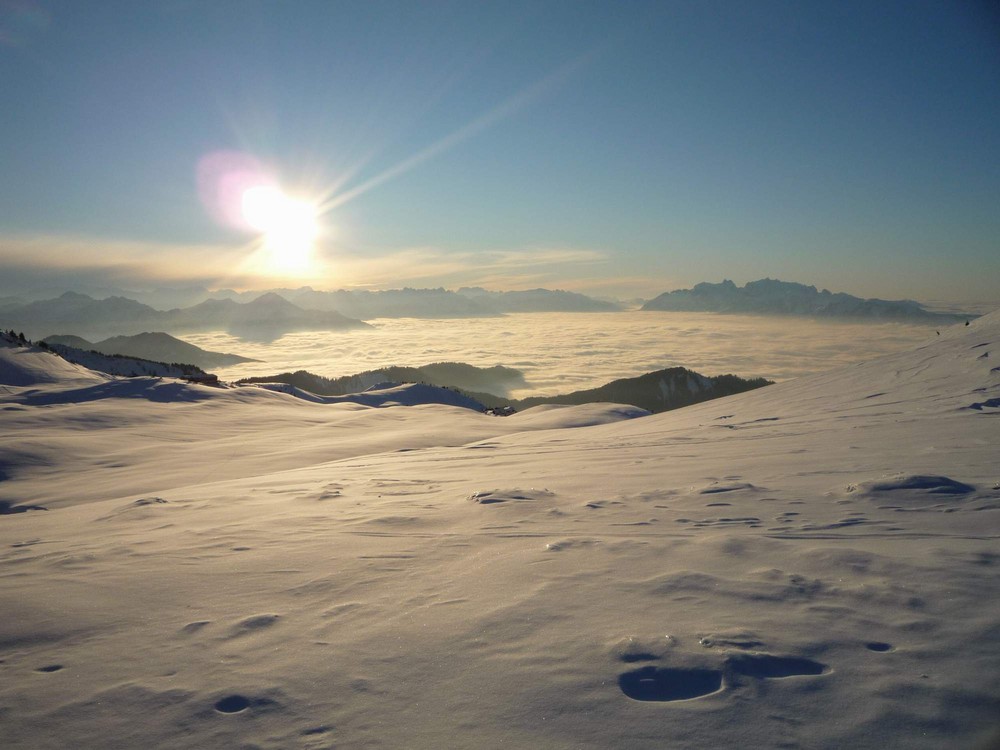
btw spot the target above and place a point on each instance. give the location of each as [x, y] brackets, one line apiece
[492, 497]
[24, 366]
[916, 492]
[918, 484]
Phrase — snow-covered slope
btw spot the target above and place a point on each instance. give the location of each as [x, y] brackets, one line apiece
[125, 366]
[22, 365]
[153, 346]
[810, 565]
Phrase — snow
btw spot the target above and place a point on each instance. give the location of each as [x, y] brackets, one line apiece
[124, 366]
[384, 394]
[812, 564]
[28, 366]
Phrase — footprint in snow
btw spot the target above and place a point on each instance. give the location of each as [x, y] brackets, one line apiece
[878, 646]
[664, 684]
[236, 703]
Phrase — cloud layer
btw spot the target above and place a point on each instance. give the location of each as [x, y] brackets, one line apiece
[561, 352]
[48, 261]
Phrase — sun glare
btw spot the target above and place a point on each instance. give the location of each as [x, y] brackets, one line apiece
[289, 227]
[245, 196]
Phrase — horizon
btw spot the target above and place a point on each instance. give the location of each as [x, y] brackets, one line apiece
[54, 290]
[579, 146]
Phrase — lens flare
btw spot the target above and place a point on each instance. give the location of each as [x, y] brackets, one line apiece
[241, 194]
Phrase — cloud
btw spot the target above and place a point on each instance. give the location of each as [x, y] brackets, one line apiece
[47, 258]
[430, 266]
[65, 262]
[625, 287]
[48, 261]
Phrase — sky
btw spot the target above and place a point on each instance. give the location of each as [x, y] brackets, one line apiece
[612, 148]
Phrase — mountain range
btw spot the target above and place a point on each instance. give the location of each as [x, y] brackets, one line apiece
[536, 300]
[774, 297]
[266, 316]
[364, 304]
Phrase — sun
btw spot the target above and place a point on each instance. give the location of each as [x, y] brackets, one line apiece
[289, 227]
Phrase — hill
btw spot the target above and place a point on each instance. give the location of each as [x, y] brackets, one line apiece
[159, 347]
[496, 379]
[128, 367]
[25, 366]
[774, 297]
[655, 392]
[383, 395]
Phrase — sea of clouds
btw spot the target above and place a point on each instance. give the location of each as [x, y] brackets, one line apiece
[562, 352]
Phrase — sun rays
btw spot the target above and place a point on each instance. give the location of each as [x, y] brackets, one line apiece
[243, 193]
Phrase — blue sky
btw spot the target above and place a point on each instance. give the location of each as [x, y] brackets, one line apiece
[615, 148]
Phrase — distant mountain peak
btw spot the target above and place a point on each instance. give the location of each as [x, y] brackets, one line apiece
[769, 296]
[271, 298]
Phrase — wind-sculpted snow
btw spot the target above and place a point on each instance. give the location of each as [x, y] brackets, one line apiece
[812, 564]
[21, 366]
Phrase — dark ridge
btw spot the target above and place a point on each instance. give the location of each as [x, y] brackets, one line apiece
[658, 391]
[458, 375]
[774, 297]
[7, 508]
